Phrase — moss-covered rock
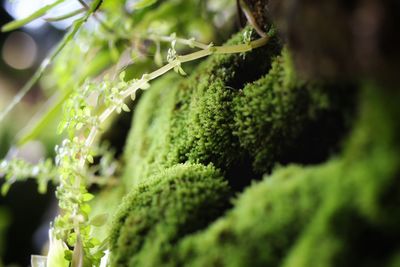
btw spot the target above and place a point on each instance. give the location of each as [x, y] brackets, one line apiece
[192, 121]
[280, 118]
[342, 213]
[155, 215]
[264, 224]
[238, 113]
[245, 124]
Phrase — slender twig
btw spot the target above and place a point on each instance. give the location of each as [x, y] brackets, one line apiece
[250, 18]
[228, 49]
[100, 21]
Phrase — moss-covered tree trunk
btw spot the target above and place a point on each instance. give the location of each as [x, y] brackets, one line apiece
[322, 155]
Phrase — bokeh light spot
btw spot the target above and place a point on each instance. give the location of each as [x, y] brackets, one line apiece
[19, 50]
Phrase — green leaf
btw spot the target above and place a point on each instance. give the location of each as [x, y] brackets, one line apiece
[125, 108]
[42, 187]
[90, 159]
[143, 3]
[99, 220]
[5, 188]
[85, 208]
[179, 70]
[71, 240]
[68, 255]
[87, 197]
[39, 13]
[122, 75]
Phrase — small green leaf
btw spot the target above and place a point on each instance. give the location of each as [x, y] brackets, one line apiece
[125, 108]
[122, 75]
[178, 69]
[139, 4]
[42, 187]
[68, 255]
[71, 239]
[87, 197]
[85, 208]
[133, 96]
[99, 220]
[39, 13]
[90, 159]
[5, 188]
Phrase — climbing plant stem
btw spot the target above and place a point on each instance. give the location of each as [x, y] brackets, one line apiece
[227, 49]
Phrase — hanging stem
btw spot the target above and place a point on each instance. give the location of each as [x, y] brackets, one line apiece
[228, 49]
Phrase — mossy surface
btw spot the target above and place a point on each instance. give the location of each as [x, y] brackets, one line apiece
[266, 222]
[280, 118]
[243, 113]
[192, 121]
[155, 215]
[341, 212]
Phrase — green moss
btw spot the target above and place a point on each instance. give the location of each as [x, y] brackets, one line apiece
[326, 215]
[280, 118]
[342, 213]
[357, 225]
[146, 149]
[225, 114]
[192, 121]
[264, 224]
[112, 196]
[170, 205]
